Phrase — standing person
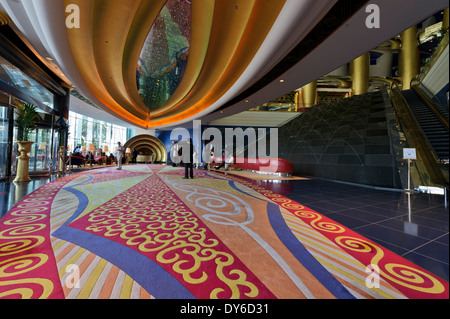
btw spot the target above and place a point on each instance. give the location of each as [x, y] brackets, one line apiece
[188, 160]
[119, 155]
[135, 154]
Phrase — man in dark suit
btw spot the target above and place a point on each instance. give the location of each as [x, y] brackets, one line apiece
[188, 159]
[135, 154]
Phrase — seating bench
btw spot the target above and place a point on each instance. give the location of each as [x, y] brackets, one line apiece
[265, 165]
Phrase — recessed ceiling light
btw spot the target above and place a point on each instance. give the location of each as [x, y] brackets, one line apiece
[281, 81]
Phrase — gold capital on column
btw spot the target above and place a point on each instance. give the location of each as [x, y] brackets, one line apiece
[359, 70]
[4, 18]
[309, 94]
[409, 57]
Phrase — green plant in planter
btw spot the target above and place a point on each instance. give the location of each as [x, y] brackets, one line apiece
[27, 118]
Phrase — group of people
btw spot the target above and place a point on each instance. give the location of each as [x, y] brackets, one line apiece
[226, 160]
[187, 157]
[190, 159]
[120, 152]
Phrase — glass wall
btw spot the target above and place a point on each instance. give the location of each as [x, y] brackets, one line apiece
[18, 87]
[4, 126]
[40, 156]
[84, 131]
[17, 79]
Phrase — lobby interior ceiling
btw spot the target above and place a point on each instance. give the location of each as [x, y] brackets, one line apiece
[160, 64]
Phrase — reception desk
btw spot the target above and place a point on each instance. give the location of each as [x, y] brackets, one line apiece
[144, 159]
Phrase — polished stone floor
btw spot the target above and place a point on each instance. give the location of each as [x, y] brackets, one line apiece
[414, 226]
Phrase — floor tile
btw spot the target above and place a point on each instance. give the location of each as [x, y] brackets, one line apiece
[401, 239]
[434, 250]
[434, 266]
[419, 230]
[348, 221]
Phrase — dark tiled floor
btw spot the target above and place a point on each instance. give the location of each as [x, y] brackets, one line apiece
[414, 226]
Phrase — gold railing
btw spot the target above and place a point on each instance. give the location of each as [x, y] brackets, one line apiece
[427, 171]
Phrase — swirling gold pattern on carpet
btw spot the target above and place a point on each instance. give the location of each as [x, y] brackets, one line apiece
[152, 220]
[217, 236]
[23, 249]
[404, 275]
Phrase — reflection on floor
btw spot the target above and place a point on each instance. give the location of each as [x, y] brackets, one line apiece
[415, 228]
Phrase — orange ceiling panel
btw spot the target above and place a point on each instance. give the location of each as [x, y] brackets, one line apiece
[225, 36]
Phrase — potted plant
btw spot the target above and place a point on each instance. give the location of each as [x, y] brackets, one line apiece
[26, 120]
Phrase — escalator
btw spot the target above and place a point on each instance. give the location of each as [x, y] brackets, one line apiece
[422, 125]
[433, 128]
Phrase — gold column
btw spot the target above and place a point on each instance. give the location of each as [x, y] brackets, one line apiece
[297, 101]
[359, 71]
[445, 20]
[409, 57]
[309, 94]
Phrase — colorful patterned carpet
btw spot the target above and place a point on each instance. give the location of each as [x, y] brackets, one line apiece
[144, 232]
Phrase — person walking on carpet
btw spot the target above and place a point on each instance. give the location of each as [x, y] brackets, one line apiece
[119, 155]
[188, 159]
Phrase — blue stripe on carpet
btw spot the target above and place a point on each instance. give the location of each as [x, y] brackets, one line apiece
[151, 276]
[292, 243]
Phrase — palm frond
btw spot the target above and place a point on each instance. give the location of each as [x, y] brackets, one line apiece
[26, 120]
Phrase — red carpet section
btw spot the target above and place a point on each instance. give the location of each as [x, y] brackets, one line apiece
[144, 233]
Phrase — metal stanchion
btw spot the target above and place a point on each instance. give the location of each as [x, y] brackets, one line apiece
[409, 154]
[70, 165]
[445, 196]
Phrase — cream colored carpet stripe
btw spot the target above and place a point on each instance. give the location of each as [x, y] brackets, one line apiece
[100, 281]
[117, 289]
[83, 277]
[91, 277]
[135, 291]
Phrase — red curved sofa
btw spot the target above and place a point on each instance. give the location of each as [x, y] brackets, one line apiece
[269, 165]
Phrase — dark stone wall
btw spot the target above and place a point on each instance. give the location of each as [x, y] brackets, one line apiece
[347, 140]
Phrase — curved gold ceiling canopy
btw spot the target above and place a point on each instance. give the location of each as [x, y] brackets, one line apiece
[224, 37]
